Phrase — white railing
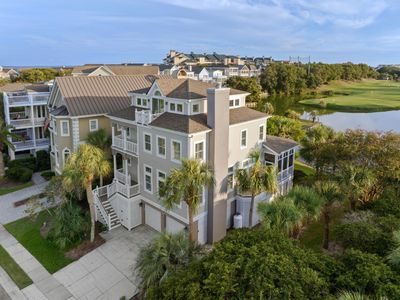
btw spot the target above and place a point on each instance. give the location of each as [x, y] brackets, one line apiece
[111, 189]
[39, 98]
[29, 144]
[124, 144]
[285, 173]
[145, 117]
[27, 122]
[97, 203]
[122, 177]
[126, 190]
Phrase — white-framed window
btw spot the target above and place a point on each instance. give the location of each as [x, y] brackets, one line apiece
[243, 138]
[161, 146]
[261, 133]
[237, 102]
[144, 102]
[66, 154]
[93, 125]
[64, 127]
[172, 107]
[147, 142]
[179, 107]
[161, 176]
[199, 150]
[231, 103]
[138, 101]
[230, 178]
[195, 108]
[176, 151]
[148, 178]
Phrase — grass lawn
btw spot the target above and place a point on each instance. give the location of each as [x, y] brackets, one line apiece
[13, 269]
[306, 169]
[6, 190]
[312, 236]
[27, 232]
[363, 96]
[304, 174]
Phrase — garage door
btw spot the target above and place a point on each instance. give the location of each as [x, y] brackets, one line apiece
[153, 217]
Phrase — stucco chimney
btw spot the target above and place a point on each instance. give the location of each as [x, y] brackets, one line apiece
[218, 121]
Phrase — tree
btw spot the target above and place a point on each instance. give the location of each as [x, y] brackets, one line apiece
[259, 178]
[269, 108]
[82, 168]
[186, 184]
[330, 193]
[307, 199]
[247, 84]
[164, 255]
[281, 214]
[285, 127]
[101, 140]
[394, 255]
[356, 183]
[5, 134]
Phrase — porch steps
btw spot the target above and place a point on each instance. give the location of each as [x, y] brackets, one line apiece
[115, 222]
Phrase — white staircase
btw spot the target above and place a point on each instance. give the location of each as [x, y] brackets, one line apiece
[105, 213]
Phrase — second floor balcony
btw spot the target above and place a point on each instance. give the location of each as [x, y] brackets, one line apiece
[23, 121]
[28, 99]
[31, 144]
[145, 117]
[119, 142]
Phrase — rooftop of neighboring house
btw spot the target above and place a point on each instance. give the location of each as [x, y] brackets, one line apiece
[118, 69]
[279, 144]
[17, 87]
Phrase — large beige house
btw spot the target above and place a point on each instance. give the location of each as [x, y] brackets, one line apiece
[155, 121]
[114, 69]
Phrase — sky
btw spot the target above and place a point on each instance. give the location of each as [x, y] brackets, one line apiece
[72, 32]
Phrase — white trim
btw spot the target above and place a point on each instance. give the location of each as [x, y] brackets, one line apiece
[63, 154]
[198, 110]
[247, 122]
[61, 127]
[173, 152]
[144, 178]
[233, 178]
[241, 137]
[144, 142]
[158, 146]
[122, 120]
[90, 125]
[263, 133]
[204, 149]
[158, 178]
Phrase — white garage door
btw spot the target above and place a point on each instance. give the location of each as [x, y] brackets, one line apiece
[153, 217]
[173, 226]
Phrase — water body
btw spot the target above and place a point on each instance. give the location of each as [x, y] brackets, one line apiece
[372, 121]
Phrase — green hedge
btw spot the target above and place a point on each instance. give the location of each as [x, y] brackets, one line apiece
[19, 173]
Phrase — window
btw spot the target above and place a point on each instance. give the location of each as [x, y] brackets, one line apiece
[161, 146]
[64, 128]
[179, 108]
[195, 108]
[199, 150]
[161, 176]
[172, 107]
[269, 159]
[147, 142]
[66, 154]
[261, 133]
[148, 182]
[176, 151]
[231, 103]
[93, 125]
[237, 101]
[243, 138]
[230, 178]
[139, 102]
[144, 102]
[157, 93]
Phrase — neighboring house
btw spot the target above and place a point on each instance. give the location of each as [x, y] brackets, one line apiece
[78, 105]
[111, 70]
[8, 73]
[25, 108]
[169, 119]
[244, 71]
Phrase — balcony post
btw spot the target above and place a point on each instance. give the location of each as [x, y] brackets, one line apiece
[113, 134]
[124, 138]
[115, 165]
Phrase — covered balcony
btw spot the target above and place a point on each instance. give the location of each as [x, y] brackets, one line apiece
[125, 176]
[28, 99]
[126, 141]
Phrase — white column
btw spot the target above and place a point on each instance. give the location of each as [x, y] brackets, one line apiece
[115, 165]
[126, 170]
[33, 126]
[124, 137]
[112, 134]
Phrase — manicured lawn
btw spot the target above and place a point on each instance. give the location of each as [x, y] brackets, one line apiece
[27, 232]
[312, 236]
[306, 169]
[8, 190]
[13, 269]
[303, 174]
[363, 96]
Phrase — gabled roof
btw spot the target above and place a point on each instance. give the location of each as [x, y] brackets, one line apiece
[244, 114]
[182, 123]
[279, 144]
[60, 111]
[24, 87]
[187, 88]
[118, 69]
[86, 95]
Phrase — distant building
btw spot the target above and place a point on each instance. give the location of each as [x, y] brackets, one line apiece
[112, 70]
[8, 73]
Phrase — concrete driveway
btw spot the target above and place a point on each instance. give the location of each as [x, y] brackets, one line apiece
[108, 271]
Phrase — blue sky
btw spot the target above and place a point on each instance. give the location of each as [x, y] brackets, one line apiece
[56, 32]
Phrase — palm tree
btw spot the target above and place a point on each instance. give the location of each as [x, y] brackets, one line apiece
[82, 168]
[330, 193]
[259, 178]
[101, 140]
[282, 214]
[347, 295]
[356, 182]
[186, 184]
[5, 134]
[307, 199]
[165, 254]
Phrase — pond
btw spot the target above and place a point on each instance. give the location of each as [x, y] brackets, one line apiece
[373, 121]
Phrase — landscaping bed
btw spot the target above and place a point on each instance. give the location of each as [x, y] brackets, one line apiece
[8, 185]
[13, 270]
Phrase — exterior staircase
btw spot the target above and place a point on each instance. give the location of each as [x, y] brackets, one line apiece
[114, 220]
[105, 213]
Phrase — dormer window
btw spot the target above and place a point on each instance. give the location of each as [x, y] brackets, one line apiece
[157, 93]
[139, 101]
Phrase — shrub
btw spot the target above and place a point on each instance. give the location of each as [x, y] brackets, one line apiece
[19, 173]
[42, 160]
[70, 225]
[29, 162]
[47, 174]
[25, 175]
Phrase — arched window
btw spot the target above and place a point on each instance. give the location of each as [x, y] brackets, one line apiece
[66, 154]
[157, 93]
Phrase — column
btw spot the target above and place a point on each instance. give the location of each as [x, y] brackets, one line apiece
[33, 126]
[115, 165]
[126, 169]
[112, 134]
[124, 137]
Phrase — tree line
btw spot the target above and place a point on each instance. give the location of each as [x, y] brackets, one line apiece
[294, 79]
[36, 75]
